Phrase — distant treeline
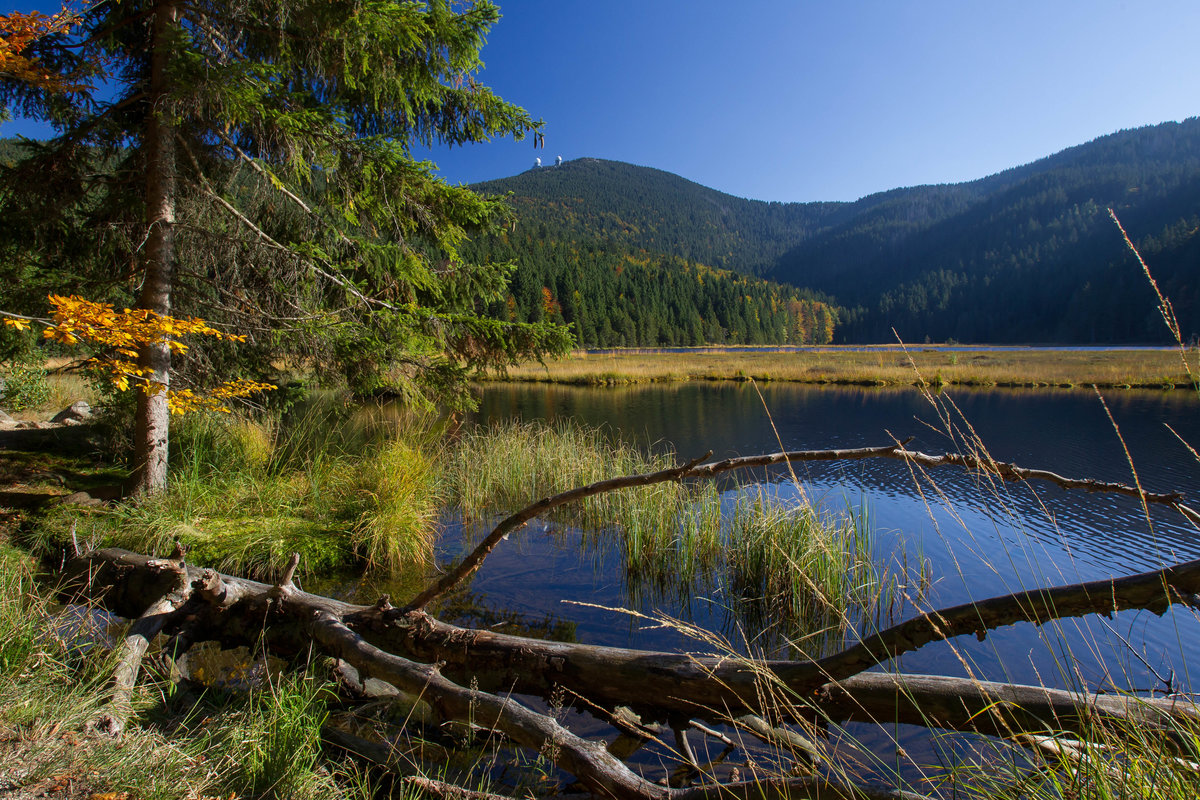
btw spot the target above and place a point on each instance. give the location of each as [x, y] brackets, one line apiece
[622, 299]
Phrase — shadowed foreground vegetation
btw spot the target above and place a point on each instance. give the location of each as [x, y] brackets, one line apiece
[55, 668]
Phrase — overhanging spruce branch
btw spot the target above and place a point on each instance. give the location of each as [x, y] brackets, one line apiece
[269, 241]
[280, 187]
[312, 265]
[693, 469]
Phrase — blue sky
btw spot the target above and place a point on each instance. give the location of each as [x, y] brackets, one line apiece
[829, 100]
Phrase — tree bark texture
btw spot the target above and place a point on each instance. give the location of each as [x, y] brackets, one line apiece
[152, 415]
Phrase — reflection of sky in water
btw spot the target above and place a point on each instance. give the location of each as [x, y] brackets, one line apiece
[980, 539]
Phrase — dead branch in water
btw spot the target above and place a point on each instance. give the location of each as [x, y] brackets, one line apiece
[694, 469]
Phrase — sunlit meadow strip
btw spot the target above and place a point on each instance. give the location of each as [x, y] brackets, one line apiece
[1142, 368]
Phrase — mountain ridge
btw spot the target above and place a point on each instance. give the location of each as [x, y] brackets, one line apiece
[1024, 254]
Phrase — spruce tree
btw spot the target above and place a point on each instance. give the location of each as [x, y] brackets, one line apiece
[250, 162]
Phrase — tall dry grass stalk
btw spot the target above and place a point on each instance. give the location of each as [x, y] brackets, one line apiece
[1164, 304]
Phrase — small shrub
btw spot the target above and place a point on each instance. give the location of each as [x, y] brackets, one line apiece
[24, 385]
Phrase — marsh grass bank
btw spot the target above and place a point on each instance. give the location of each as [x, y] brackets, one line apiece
[357, 489]
[243, 494]
[891, 366]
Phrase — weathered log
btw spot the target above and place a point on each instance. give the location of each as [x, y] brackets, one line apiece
[590, 762]
[321, 619]
[111, 721]
[672, 685]
[450, 791]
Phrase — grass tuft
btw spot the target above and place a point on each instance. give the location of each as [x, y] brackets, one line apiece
[339, 488]
[269, 746]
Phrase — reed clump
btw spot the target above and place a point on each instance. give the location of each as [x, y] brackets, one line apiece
[801, 564]
[784, 561]
[508, 466]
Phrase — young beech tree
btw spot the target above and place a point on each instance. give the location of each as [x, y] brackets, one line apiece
[119, 334]
[249, 162]
[20, 34]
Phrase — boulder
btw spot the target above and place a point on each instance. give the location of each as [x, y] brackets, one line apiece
[77, 412]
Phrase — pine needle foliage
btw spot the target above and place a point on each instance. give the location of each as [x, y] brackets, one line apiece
[274, 140]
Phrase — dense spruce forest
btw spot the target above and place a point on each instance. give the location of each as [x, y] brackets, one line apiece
[615, 297]
[634, 255]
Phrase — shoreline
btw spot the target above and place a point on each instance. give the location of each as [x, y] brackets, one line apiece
[879, 366]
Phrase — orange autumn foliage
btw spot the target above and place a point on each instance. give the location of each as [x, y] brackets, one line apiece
[18, 31]
[121, 333]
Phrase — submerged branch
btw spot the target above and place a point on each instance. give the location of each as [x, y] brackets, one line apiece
[693, 469]
[473, 560]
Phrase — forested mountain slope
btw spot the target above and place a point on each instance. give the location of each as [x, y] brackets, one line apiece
[633, 256]
[1026, 255]
[1029, 254]
[656, 211]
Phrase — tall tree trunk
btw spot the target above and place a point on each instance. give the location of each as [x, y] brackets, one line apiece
[153, 417]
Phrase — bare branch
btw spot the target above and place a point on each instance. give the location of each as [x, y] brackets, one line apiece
[473, 561]
[691, 470]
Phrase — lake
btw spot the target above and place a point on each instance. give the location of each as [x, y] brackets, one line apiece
[975, 538]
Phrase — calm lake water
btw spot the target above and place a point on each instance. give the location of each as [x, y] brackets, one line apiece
[976, 539]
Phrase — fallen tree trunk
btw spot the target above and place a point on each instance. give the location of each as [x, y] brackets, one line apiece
[132, 650]
[658, 685]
